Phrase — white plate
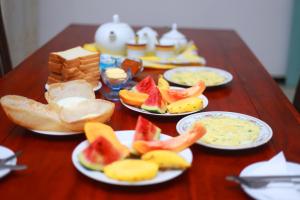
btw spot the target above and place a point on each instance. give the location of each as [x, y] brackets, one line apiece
[126, 138]
[228, 77]
[5, 152]
[57, 133]
[285, 191]
[204, 99]
[264, 136]
[95, 88]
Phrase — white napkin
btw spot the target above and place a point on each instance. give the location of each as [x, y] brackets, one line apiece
[275, 191]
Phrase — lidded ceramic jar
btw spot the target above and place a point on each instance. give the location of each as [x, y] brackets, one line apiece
[174, 37]
[149, 36]
[111, 38]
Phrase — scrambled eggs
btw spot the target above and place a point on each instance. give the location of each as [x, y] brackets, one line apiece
[229, 131]
[191, 78]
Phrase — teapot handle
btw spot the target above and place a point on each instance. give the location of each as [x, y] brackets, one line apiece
[112, 36]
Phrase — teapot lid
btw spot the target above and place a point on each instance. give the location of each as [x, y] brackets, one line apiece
[174, 33]
[146, 30]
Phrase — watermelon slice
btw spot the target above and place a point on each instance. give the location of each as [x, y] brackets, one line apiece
[100, 153]
[155, 103]
[146, 130]
[146, 85]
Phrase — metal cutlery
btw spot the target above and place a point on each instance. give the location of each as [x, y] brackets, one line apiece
[4, 160]
[263, 181]
[13, 167]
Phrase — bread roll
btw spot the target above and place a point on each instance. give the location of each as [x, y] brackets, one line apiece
[76, 88]
[96, 110]
[31, 114]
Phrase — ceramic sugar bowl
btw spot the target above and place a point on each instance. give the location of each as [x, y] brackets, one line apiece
[149, 36]
[174, 37]
[111, 38]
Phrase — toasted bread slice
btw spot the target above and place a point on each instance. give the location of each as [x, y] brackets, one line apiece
[52, 80]
[95, 110]
[31, 114]
[54, 67]
[89, 61]
[89, 66]
[75, 53]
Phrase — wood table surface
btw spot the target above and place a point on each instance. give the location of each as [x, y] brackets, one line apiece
[51, 175]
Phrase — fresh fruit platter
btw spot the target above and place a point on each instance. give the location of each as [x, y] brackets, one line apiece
[162, 99]
[140, 157]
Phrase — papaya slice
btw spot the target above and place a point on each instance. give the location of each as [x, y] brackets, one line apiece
[133, 98]
[173, 95]
[175, 144]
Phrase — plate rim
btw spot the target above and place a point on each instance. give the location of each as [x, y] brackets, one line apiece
[13, 161]
[246, 189]
[95, 89]
[223, 147]
[228, 74]
[75, 162]
[56, 133]
[202, 96]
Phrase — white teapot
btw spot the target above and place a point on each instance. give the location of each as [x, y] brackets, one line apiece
[111, 38]
[149, 36]
[174, 37]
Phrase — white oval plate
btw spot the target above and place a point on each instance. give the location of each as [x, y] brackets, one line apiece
[99, 86]
[228, 76]
[264, 136]
[282, 191]
[57, 133]
[126, 138]
[204, 99]
[5, 152]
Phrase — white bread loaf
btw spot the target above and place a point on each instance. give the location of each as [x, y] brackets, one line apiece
[95, 110]
[76, 88]
[32, 114]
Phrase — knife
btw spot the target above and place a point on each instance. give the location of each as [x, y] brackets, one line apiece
[262, 181]
[13, 167]
[4, 160]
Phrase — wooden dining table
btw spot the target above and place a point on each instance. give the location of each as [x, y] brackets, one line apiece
[51, 174]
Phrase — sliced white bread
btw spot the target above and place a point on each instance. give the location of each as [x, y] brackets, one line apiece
[75, 53]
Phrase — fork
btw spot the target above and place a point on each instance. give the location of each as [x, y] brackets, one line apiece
[4, 160]
[263, 181]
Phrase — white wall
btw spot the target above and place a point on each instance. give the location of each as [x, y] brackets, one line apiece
[20, 20]
[263, 24]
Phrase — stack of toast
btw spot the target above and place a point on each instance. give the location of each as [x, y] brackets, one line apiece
[73, 64]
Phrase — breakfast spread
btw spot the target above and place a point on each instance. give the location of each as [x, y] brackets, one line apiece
[229, 131]
[67, 109]
[105, 153]
[73, 64]
[161, 99]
